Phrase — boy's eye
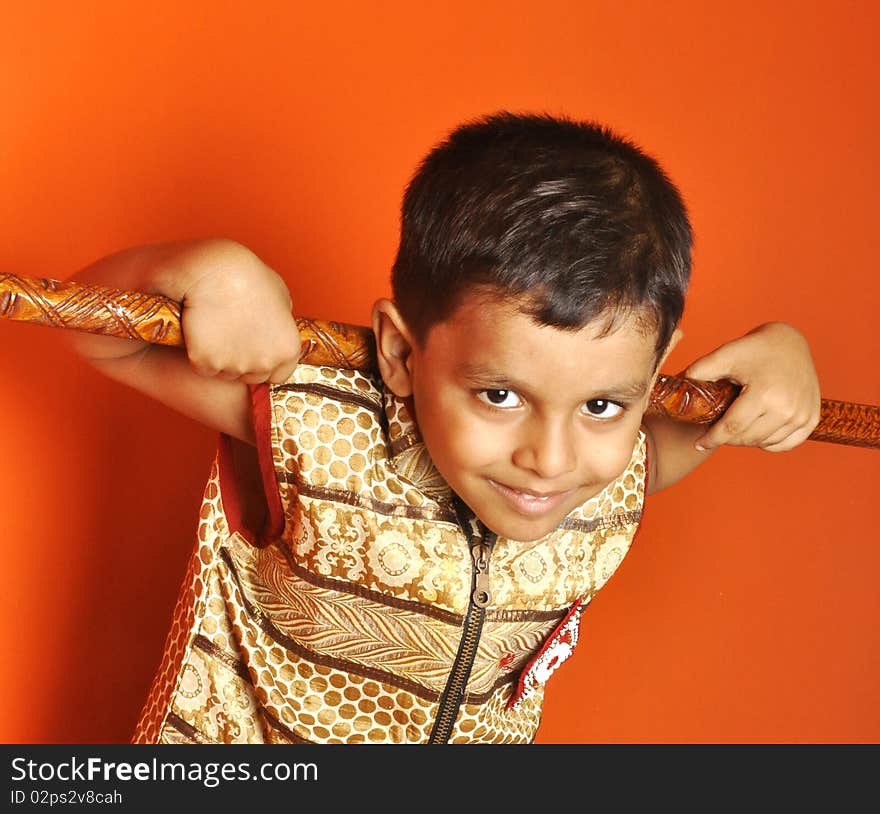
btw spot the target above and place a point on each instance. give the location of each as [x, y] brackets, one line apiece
[500, 398]
[602, 408]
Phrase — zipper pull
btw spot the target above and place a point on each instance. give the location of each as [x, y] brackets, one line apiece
[481, 596]
[481, 542]
[480, 552]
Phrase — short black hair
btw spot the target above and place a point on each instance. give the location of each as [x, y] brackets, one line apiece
[576, 218]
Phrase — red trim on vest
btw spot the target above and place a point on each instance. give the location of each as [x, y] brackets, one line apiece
[262, 406]
[261, 398]
[228, 487]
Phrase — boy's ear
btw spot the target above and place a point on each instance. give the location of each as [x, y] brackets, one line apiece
[394, 346]
[676, 337]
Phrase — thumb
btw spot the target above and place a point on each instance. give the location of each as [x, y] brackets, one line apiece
[719, 364]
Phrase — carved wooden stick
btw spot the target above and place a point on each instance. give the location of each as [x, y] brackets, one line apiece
[156, 319]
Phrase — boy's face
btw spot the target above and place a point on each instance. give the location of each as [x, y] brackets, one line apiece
[527, 422]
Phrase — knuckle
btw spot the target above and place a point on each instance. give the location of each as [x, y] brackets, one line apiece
[800, 419]
[731, 426]
[203, 366]
[254, 378]
[281, 375]
[805, 420]
[781, 405]
[713, 440]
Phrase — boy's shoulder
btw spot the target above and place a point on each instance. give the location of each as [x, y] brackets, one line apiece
[343, 431]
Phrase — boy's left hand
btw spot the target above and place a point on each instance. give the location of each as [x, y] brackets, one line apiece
[778, 407]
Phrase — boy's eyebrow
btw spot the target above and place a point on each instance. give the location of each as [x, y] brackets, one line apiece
[486, 377]
[627, 391]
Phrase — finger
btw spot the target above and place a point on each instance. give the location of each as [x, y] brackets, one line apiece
[253, 377]
[778, 436]
[282, 372]
[815, 417]
[761, 432]
[736, 421]
[788, 443]
[203, 368]
[233, 374]
[766, 433]
[719, 364]
[800, 426]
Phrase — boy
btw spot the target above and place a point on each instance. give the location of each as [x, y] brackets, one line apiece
[435, 531]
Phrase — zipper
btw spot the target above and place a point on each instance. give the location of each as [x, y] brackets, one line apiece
[453, 694]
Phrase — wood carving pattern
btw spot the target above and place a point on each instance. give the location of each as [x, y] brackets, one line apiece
[336, 344]
[689, 400]
[845, 422]
[156, 319]
[94, 309]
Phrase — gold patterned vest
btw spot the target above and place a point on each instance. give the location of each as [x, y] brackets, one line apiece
[358, 617]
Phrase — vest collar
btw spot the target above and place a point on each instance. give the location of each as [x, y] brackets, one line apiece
[407, 452]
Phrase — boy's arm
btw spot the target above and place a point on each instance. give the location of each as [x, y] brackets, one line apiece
[236, 320]
[777, 409]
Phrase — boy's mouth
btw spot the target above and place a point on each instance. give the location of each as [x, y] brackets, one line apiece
[528, 502]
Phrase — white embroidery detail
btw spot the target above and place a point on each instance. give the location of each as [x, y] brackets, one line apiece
[559, 647]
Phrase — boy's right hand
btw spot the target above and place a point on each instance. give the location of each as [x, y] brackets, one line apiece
[237, 326]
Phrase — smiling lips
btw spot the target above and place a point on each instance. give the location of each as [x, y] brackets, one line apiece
[532, 504]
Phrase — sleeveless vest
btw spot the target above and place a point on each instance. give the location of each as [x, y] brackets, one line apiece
[373, 609]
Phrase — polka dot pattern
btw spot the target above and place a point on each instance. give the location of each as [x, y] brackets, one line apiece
[336, 441]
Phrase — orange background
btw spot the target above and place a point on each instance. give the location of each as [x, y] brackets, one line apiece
[747, 610]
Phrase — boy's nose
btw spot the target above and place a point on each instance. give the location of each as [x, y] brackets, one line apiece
[547, 449]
